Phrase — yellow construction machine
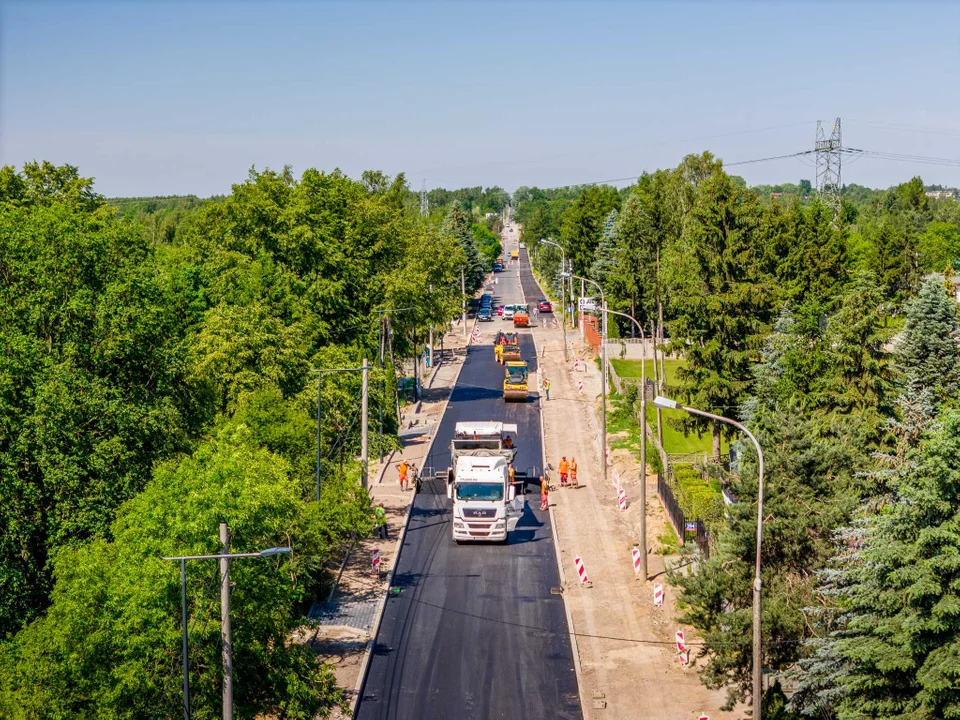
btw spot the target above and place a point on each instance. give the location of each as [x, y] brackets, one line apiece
[506, 347]
[515, 381]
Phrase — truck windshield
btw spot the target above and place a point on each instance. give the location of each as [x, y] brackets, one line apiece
[489, 492]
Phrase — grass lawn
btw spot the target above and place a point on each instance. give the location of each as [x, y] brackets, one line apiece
[674, 441]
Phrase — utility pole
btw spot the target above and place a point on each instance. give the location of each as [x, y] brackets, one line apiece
[828, 153]
[186, 659]
[225, 624]
[463, 302]
[643, 443]
[431, 335]
[364, 449]
[603, 391]
[319, 403]
[583, 293]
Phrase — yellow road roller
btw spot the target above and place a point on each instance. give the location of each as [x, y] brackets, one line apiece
[515, 382]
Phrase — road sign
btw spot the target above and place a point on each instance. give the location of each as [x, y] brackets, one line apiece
[587, 303]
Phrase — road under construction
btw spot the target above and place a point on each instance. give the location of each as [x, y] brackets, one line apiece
[476, 630]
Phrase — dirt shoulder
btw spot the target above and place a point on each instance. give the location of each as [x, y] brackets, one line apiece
[627, 650]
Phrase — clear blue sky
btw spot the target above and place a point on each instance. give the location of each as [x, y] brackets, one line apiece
[177, 98]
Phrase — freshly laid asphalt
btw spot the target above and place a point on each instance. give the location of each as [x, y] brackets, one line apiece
[474, 631]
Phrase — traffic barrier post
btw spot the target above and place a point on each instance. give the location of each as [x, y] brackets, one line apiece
[582, 572]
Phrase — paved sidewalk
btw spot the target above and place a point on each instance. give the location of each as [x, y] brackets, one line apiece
[345, 624]
[626, 645]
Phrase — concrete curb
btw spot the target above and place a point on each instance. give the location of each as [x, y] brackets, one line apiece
[556, 548]
[433, 375]
[398, 546]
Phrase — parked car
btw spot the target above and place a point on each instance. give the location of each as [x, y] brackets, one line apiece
[497, 267]
[544, 306]
[484, 315]
[507, 312]
[500, 310]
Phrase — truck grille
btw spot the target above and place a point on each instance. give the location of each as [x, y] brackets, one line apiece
[472, 513]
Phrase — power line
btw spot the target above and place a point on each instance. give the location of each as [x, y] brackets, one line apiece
[903, 127]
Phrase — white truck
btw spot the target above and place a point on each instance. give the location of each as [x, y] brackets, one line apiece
[486, 504]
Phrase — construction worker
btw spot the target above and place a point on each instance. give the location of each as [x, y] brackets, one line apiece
[380, 517]
[402, 468]
[573, 471]
[546, 387]
[511, 473]
[544, 493]
[564, 470]
[508, 442]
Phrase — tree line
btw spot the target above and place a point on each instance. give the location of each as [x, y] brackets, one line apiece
[154, 384]
[835, 340]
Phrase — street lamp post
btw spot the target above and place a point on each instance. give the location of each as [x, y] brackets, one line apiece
[643, 446]
[563, 301]
[603, 362]
[224, 559]
[757, 628]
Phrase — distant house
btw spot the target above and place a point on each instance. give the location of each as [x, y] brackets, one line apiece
[776, 196]
[940, 194]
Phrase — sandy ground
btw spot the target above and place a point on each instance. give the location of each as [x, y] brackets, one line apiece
[630, 667]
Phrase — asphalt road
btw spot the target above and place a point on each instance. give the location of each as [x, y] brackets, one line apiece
[474, 631]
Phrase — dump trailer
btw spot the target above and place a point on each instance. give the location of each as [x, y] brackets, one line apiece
[515, 382]
[521, 318]
[486, 503]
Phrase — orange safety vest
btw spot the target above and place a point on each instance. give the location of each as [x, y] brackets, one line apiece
[564, 466]
[573, 467]
[403, 467]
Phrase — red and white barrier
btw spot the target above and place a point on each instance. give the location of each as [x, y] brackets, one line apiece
[635, 554]
[581, 570]
[658, 595]
[376, 560]
[622, 498]
[616, 479]
[608, 454]
[703, 717]
[580, 385]
[576, 365]
[681, 647]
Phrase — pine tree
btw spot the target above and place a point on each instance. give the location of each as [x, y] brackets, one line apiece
[724, 304]
[856, 394]
[928, 351]
[898, 650]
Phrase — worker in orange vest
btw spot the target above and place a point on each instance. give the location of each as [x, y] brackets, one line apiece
[402, 468]
[564, 470]
[544, 493]
[573, 472]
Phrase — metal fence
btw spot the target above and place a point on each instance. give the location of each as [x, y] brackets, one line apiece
[671, 506]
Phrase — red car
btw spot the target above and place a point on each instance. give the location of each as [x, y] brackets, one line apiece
[500, 310]
[544, 306]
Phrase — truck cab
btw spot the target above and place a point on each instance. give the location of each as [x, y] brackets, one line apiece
[486, 504]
